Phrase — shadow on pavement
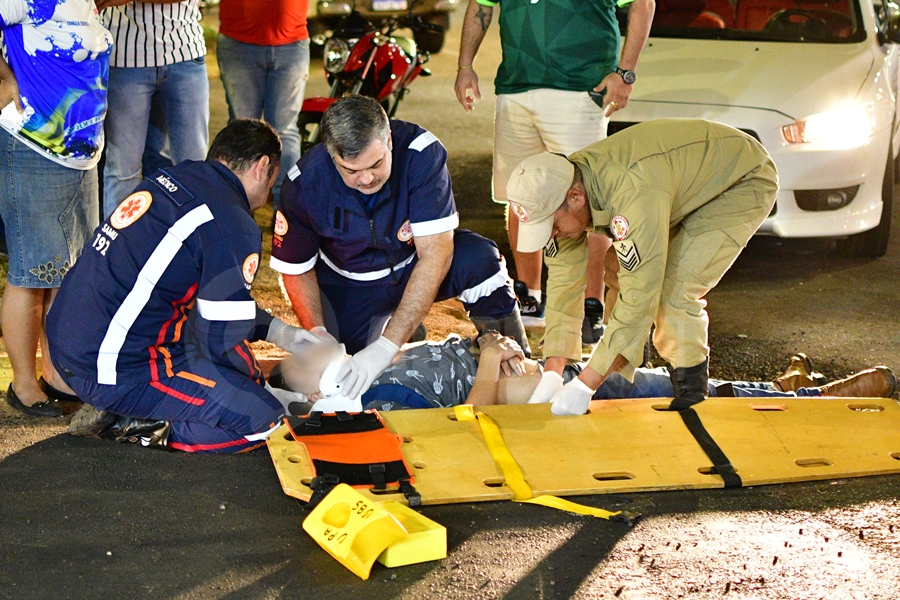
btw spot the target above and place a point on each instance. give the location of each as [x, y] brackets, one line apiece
[88, 519]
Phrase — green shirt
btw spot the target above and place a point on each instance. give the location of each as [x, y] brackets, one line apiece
[558, 44]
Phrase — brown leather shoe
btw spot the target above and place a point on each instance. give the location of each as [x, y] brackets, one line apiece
[878, 382]
[799, 374]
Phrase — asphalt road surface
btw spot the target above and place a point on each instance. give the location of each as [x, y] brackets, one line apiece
[87, 519]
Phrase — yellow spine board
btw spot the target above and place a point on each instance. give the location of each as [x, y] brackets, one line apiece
[630, 446]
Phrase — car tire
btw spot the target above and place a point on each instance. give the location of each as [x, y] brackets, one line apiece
[874, 243]
[433, 41]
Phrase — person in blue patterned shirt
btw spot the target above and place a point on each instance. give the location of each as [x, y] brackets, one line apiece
[53, 81]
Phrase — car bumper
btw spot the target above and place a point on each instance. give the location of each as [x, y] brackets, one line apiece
[800, 167]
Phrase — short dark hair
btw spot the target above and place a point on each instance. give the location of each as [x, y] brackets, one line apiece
[351, 124]
[245, 141]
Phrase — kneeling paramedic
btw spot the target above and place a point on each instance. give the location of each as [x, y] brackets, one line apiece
[152, 324]
[367, 231]
[680, 198]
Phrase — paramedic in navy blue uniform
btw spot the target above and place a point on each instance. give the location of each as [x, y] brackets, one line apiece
[152, 324]
[367, 231]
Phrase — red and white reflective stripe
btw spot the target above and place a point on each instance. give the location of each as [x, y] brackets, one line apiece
[227, 310]
[423, 141]
[368, 276]
[261, 436]
[293, 268]
[143, 288]
[433, 227]
[486, 287]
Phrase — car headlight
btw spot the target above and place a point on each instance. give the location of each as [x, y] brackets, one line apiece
[336, 54]
[842, 128]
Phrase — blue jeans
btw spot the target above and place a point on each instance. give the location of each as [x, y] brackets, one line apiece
[49, 213]
[266, 81]
[655, 383]
[183, 92]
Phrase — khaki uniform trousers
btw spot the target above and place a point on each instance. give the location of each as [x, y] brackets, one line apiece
[695, 265]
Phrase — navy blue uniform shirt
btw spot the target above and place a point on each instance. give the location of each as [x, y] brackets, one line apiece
[166, 278]
[364, 237]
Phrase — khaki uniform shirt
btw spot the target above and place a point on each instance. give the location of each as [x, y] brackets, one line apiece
[647, 180]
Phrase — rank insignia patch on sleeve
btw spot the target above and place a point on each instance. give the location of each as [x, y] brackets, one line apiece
[551, 249]
[628, 255]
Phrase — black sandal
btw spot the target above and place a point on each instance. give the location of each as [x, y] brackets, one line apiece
[47, 408]
[55, 394]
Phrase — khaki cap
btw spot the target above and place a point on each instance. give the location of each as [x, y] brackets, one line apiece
[536, 190]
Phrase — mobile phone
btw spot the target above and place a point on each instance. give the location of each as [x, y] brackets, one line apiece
[597, 97]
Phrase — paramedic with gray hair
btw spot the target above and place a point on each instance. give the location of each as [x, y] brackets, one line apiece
[367, 240]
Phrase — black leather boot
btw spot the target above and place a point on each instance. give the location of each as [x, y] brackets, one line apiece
[510, 326]
[690, 384]
[149, 433]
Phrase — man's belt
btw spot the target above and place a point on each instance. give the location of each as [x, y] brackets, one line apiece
[370, 275]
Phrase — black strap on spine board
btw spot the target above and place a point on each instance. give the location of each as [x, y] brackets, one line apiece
[721, 464]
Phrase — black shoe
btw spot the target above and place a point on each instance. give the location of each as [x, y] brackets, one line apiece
[55, 394]
[592, 326]
[91, 422]
[48, 408]
[150, 433]
[690, 384]
[531, 310]
[419, 335]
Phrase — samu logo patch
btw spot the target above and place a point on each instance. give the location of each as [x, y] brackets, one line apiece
[131, 209]
[251, 264]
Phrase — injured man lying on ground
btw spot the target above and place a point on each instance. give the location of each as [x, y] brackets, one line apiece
[493, 370]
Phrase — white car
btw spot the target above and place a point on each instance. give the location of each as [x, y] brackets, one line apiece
[814, 81]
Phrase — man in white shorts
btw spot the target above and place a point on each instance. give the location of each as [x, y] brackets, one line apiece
[553, 55]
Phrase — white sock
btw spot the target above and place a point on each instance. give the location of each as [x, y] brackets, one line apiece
[536, 294]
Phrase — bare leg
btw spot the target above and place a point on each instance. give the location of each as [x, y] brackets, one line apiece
[22, 312]
[48, 372]
[528, 264]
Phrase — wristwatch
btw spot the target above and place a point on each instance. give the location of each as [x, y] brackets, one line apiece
[628, 77]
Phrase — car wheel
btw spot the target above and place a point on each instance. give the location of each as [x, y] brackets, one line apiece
[433, 41]
[874, 243]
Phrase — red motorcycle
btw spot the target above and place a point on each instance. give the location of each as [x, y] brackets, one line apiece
[360, 59]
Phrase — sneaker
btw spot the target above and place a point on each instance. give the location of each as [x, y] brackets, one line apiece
[592, 326]
[90, 422]
[531, 310]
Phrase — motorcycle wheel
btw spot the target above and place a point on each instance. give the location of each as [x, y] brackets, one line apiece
[308, 123]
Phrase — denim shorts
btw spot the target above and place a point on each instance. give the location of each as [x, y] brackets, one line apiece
[49, 212]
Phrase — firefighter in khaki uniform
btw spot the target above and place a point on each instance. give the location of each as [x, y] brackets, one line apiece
[680, 198]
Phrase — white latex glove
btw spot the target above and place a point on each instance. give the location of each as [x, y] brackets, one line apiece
[293, 339]
[573, 399]
[358, 373]
[551, 382]
[285, 397]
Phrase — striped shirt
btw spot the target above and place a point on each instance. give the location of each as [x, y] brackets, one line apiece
[155, 35]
